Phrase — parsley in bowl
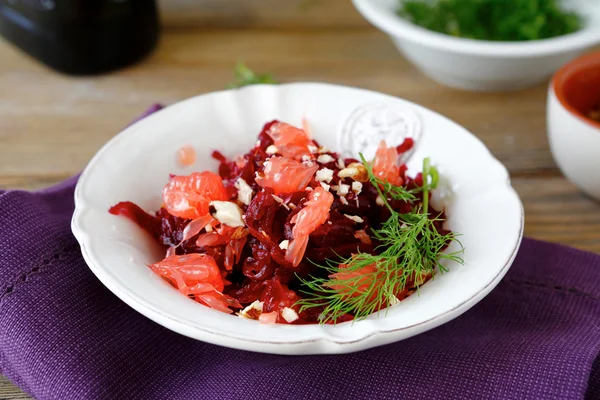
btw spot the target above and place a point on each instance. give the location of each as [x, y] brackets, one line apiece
[487, 45]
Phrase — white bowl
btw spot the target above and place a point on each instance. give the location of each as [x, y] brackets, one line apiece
[475, 189]
[483, 65]
[574, 139]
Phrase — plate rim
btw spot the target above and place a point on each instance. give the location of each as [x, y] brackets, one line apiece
[276, 347]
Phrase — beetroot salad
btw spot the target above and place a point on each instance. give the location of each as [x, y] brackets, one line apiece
[293, 233]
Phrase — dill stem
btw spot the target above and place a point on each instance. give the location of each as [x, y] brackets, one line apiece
[426, 168]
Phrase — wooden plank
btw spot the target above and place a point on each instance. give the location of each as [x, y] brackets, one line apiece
[54, 131]
[264, 14]
[556, 211]
[8, 391]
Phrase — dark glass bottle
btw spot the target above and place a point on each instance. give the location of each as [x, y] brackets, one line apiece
[81, 37]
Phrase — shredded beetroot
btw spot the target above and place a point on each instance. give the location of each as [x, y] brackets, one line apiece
[254, 259]
[134, 212]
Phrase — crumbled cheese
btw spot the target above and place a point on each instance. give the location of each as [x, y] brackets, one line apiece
[208, 228]
[257, 305]
[324, 175]
[341, 164]
[324, 149]
[227, 213]
[272, 149]
[312, 148]
[342, 189]
[343, 200]
[244, 191]
[393, 300]
[258, 143]
[325, 158]
[289, 314]
[379, 201]
[355, 218]
[308, 189]
[284, 244]
[357, 187]
[325, 186]
[329, 223]
[348, 172]
[306, 158]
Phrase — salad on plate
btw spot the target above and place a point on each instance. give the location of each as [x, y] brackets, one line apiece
[293, 233]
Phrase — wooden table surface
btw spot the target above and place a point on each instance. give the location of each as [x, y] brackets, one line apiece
[51, 124]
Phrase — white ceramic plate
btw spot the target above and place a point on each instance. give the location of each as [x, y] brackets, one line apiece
[135, 165]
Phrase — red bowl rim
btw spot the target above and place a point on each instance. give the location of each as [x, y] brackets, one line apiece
[558, 86]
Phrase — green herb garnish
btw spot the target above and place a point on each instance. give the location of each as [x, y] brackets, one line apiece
[244, 76]
[497, 20]
[410, 249]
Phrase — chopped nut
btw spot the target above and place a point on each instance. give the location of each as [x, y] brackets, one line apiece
[272, 149]
[252, 311]
[325, 158]
[324, 175]
[244, 191]
[348, 172]
[355, 218]
[342, 189]
[228, 213]
[325, 186]
[363, 174]
[356, 171]
[289, 314]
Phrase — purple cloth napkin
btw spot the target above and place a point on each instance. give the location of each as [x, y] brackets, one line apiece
[63, 335]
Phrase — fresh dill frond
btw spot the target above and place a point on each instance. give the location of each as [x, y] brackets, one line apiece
[409, 252]
[385, 189]
[244, 76]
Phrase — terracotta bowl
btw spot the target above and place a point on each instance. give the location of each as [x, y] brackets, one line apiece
[573, 133]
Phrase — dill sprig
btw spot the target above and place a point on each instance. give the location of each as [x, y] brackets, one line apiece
[244, 76]
[410, 251]
[385, 189]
